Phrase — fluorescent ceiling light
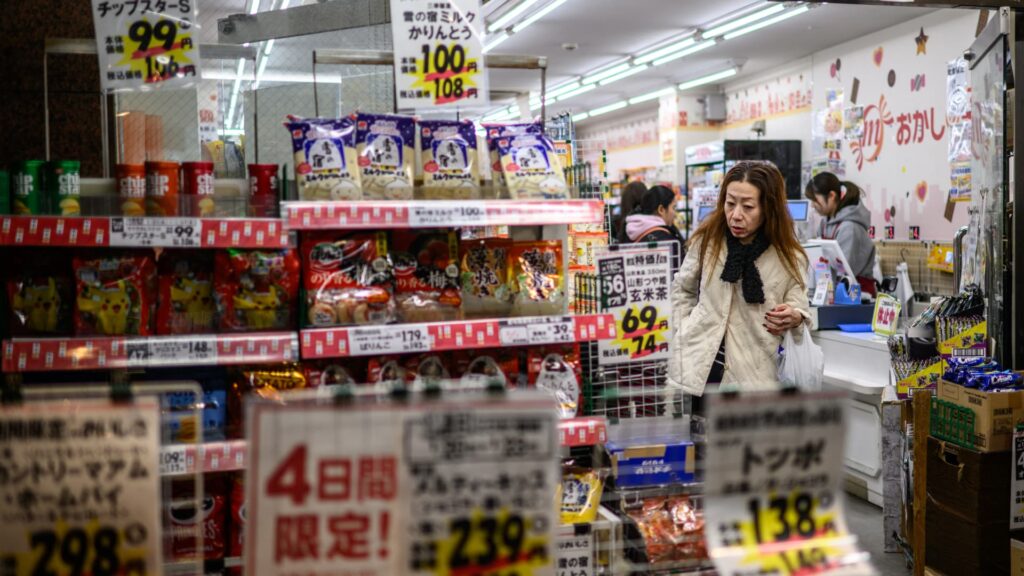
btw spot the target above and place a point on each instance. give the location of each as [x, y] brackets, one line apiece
[580, 116]
[488, 46]
[654, 55]
[537, 15]
[741, 22]
[776, 20]
[686, 52]
[577, 92]
[626, 74]
[510, 15]
[556, 92]
[708, 79]
[608, 108]
[254, 7]
[269, 46]
[652, 95]
[284, 4]
[598, 76]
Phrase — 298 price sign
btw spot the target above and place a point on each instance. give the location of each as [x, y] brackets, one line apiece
[99, 551]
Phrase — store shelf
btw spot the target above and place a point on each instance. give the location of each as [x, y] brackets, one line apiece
[182, 459]
[374, 215]
[440, 336]
[143, 232]
[98, 353]
[584, 431]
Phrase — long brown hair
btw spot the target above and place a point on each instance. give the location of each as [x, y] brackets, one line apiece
[777, 226]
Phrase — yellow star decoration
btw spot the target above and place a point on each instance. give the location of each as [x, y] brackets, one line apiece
[922, 42]
[449, 86]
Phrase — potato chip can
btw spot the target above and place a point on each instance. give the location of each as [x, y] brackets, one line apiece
[64, 187]
[131, 188]
[263, 190]
[162, 188]
[26, 187]
[5, 192]
[197, 185]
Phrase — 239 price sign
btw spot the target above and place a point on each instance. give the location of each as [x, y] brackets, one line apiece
[483, 543]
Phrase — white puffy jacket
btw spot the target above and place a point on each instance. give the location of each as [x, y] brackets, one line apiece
[751, 353]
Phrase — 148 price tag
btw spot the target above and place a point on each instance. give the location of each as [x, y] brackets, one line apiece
[171, 351]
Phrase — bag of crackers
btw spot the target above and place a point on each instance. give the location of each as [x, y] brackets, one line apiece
[531, 168]
[426, 269]
[486, 267]
[325, 158]
[496, 132]
[347, 279]
[386, 146]
[448, 157]
[256, 290]
[539, 278]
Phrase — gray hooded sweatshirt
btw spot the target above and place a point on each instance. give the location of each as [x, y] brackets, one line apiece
[849, 228]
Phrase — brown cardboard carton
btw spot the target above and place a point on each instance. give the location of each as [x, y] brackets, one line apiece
[1016, 558]
[995, 413]
[974, 486]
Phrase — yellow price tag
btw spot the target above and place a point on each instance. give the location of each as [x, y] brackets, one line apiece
[446, 73]
[93, 549]
[487, 544]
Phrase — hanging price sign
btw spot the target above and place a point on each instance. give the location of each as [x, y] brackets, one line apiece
[144, 44]
[439, 58]
[634, 288]
[79, 488]
[774, 487]
[886, 317]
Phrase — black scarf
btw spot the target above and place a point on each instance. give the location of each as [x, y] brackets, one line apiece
[739, 262]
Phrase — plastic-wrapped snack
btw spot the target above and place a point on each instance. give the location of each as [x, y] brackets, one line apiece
[186, 293]
[347, 279]
[496, 132]
[115, 295]
[580, 495]
[559, 377]
[429, 372]
[181, 408]
[486, 274]
[531, 167]
[256, 289]
[181, 517]
[448, 154]
[386, 146]
[39, 292]
[325, 158]
[539, 279]
[267, 383]
[426, 271]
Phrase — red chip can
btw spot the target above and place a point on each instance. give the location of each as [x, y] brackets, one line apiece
[263, 190]
[197, 186]
[131, 188]
[162, 189]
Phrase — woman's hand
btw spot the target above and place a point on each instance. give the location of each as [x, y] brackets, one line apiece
[783, 317]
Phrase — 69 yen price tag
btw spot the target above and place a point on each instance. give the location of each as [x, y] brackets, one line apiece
[634, 286]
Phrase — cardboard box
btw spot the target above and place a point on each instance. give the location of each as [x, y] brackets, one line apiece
[972, 485]
[995, 413]
[957, 548]
[1016, 558]
[652, 463]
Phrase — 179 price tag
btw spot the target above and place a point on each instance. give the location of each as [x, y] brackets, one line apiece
[389, 339]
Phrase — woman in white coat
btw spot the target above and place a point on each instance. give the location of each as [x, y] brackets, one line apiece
[741, 286]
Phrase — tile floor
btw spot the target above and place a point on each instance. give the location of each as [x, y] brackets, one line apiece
[865, 520]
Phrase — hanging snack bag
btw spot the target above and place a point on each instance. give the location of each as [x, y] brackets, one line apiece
[539, 279]
[347, 279]
[496, 132]
[114, 296]
[448, 154]
[256, 290]
[486, 278]
[426, 271]
[39, 292]
[559, 377]
[386, 147]
[580, 495]
[325, 158]
[268, 383]
[186, 293]
[532, 168]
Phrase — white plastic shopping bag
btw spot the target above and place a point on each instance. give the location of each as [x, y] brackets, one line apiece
[802, 364]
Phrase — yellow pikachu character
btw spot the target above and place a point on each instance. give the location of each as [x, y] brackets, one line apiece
[192, 302]
[38, 306]
[260, 307]
[110, 307]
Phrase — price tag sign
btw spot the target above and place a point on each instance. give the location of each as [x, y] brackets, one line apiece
[575, 555]
[171, 351]
[443, 213]
[165, 232]
[145, 44]
[397, 339]
[455, 486]
[774, 486]
[529, 331]
[80, 491]
[439, 59]
[886, 316]
[173, 460]
[635, 289]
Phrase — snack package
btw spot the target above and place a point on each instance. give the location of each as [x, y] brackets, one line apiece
[256, 290]
[182, 422]
[238, 516]
[327, 373]
[266, 383]
[114, 295]
[672, 529]
[486, 278]
[559, 375]
[325, 158]
[39, 293]
[181, 517]
[426, 272]
[531, 167]
[448, 155]
[496, 132]
[580, 495]
[347, 279]
[386, 146]
[539, 278]
[186, 303]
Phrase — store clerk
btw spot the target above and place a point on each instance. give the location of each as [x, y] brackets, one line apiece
[741, 286]
[846, 222]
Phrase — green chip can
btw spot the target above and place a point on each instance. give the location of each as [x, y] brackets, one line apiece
[26, 187]
[5, 191]
[63, 187]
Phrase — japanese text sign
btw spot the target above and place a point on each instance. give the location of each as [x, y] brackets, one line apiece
[575, 555]
[144, 44]
[774, 486]
[635, 288]
[886, 315]
[79, 488]
[439, 60]
[456, 487]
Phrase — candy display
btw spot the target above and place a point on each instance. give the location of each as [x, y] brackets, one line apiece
[486, 278]
[531, 168]
[557, 371]
[386, 149]
[181, 517]
[115, 296]
[162, 187]
[325, 158]
[426, 272]
[256, 289]
[131, 188]
[63, 187]
[448, 159]
[347, 279]
[40, 293]
[539, 279]
[981, 373]
[186, 293]
[265, 382]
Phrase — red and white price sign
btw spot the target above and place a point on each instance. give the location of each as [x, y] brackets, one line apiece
[537, 331]
[887, 315]
[79, 488]
[395, 339]
[454, 487]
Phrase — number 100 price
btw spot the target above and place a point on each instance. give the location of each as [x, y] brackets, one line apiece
[444, 64]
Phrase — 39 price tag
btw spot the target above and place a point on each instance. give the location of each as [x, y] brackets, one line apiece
[398, 339]
[165, 232]
[886, 315]
[442, 213]
[537, 331]
[173, 460]
[173, 351]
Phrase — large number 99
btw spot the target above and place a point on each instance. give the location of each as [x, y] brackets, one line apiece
[165, 31]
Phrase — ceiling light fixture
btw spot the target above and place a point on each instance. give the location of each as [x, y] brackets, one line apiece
[556, 92]
[511, 15]
[609, 108]
[652, 95]
[490, 44]
[537, 15]
[784, 16]
[686, 52]
[626, 74]
[577, 92]
[254, 7]
[234, 91]
[655, 54]
[741, 22]
[709, 78]
[598, 76]
[581, 116]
